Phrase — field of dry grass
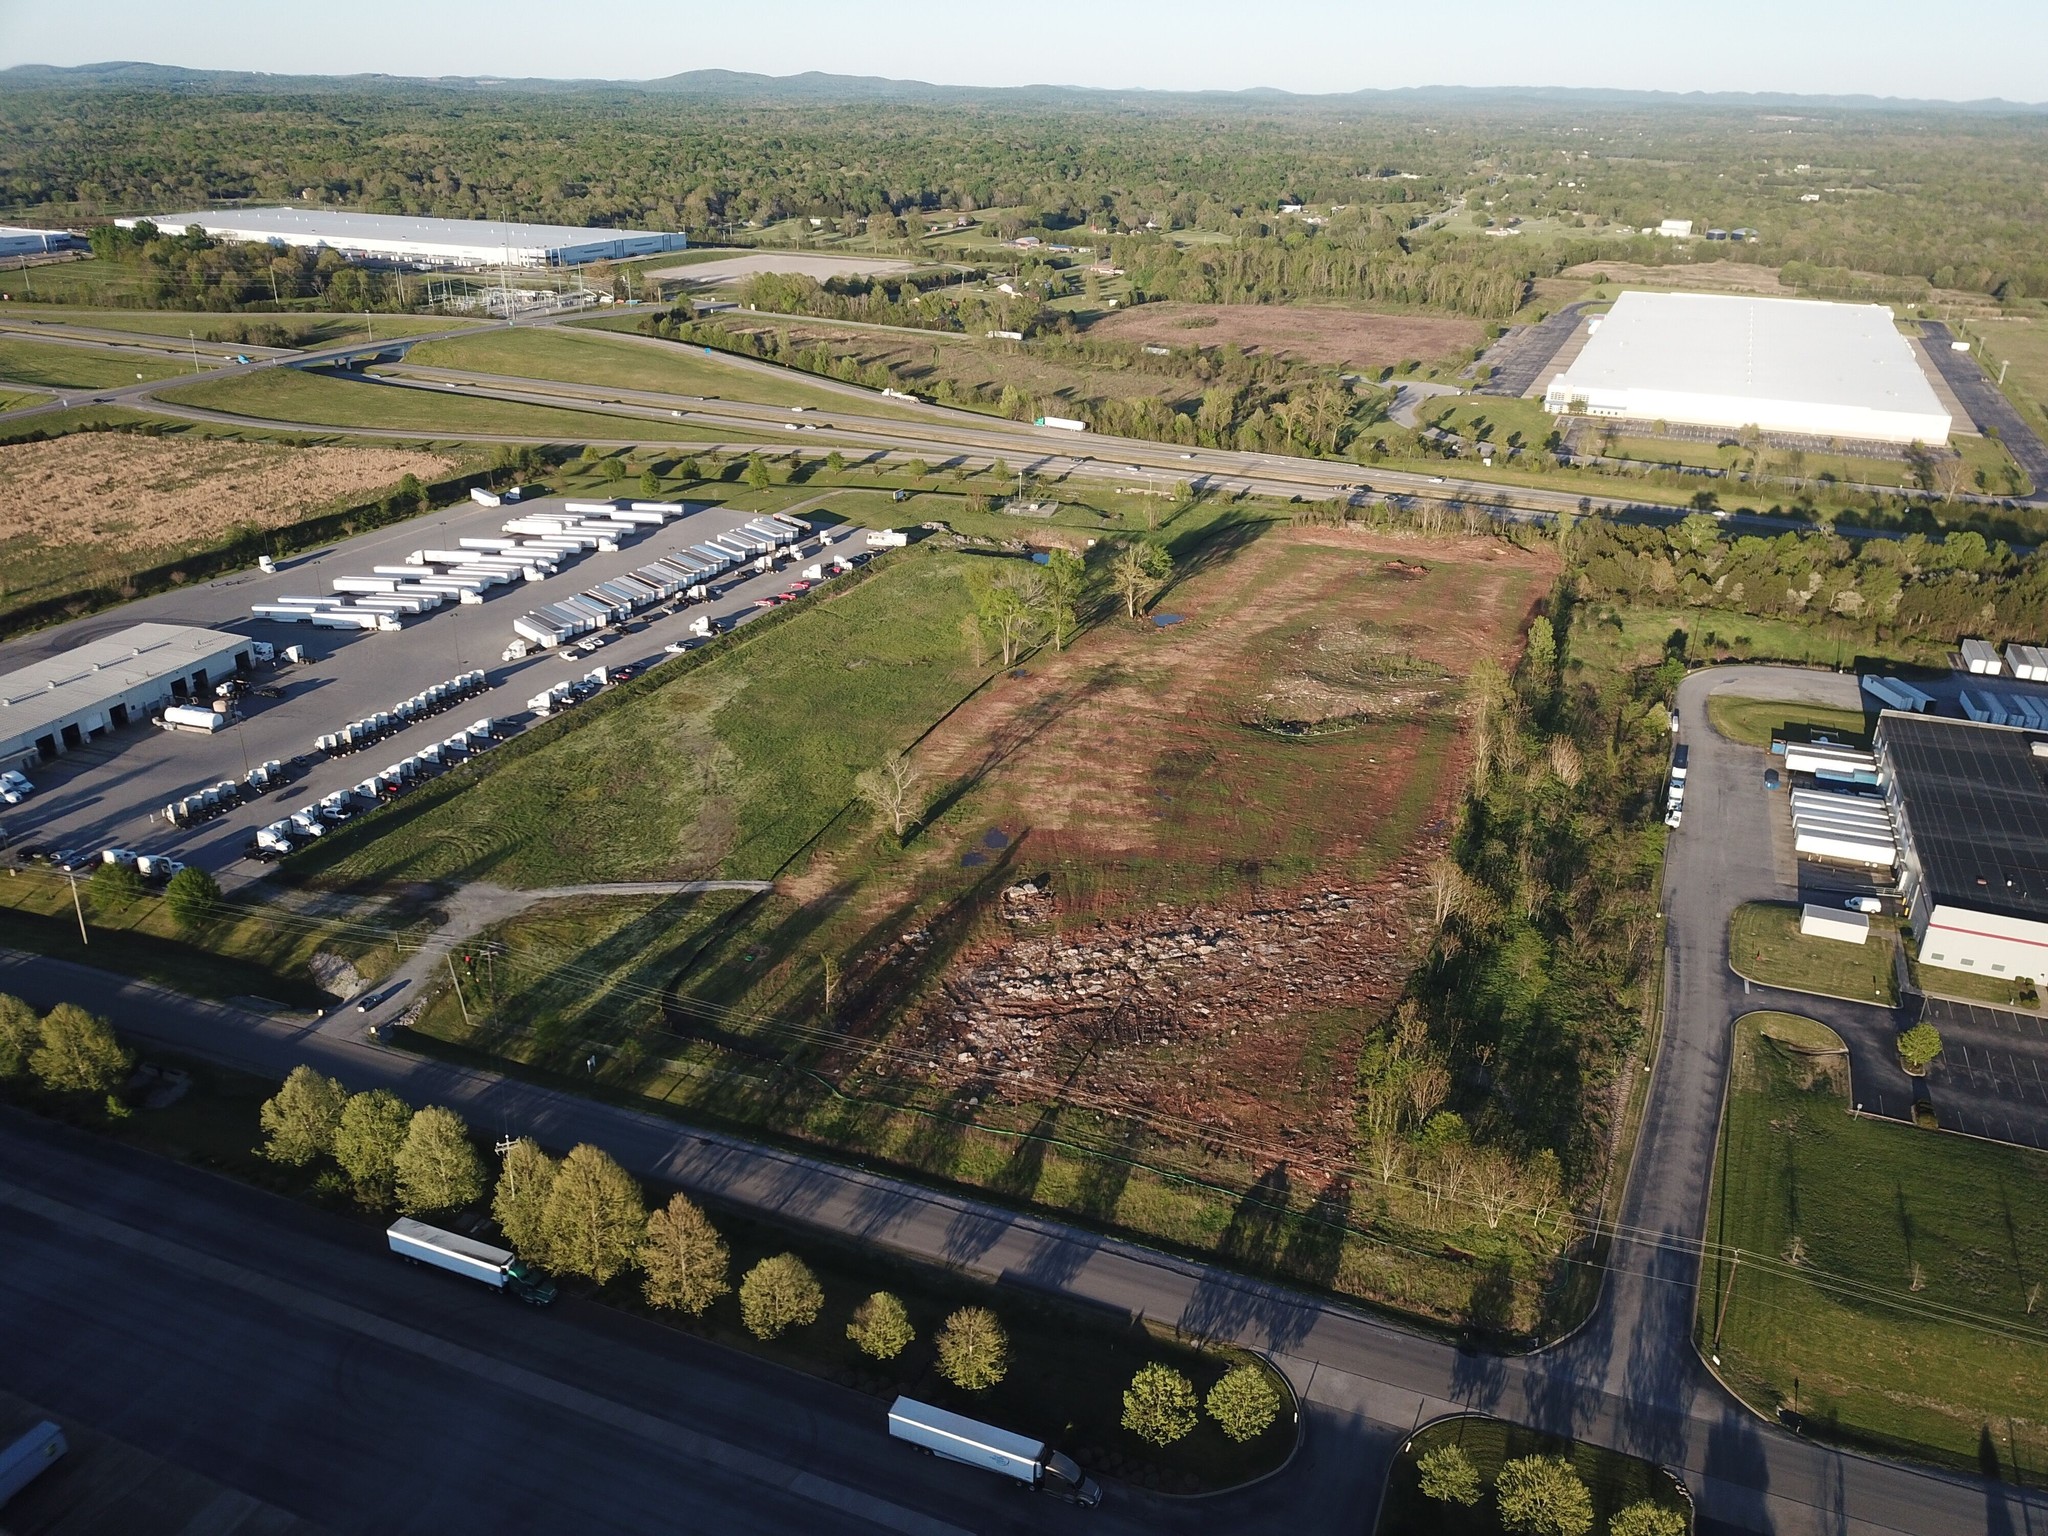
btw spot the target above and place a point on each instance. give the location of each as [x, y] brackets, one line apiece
[1312, 333]
[80, 511]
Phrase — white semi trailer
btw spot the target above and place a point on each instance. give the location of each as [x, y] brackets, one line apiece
[498, 1268]
[972, 1443]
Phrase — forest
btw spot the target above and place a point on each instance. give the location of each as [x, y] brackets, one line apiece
[1951, 199]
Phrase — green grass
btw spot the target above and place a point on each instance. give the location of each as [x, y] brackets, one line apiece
[1765, 944]
[1911, 1321]
[1613, 1479]
[308, 327]
[59, 366]
[288, 394]
[14, 399]
[1497, 420]
[1969, 986]
[1630, 636]
[1754, 722]
[728, 767]
[253, 950]
[1068, 1366]
[579, 357]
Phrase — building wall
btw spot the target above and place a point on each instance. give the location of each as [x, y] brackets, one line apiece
[24, 746]
[1982, 943]
[1810, 419]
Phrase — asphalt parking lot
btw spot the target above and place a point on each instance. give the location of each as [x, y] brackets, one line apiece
[111, 791]
[1991, 1078]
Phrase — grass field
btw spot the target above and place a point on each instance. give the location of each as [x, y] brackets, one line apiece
[580, 357]
[1765, 944]
[1614, 1480]
[1968, 986]
[1753, 722]
[307, 327]
[14, 399]
[2022, 347]
[726, 768]
[59, 366]
[286, 394]
[1890, 1285]
[1633, 637]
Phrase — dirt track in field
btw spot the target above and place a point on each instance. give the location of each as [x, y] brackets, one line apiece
[1313, 333]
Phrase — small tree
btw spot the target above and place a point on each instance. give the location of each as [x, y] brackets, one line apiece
[650, 484]
[1066, 574]
[611, 471]
[1009, 604]
[1542, 1496]
[891, 789]
[1159, 1404]
[917, 469]
[1644, 1518]
[77, 1052]
[881, 1327]
[367, 1137]
[779, 1293]
[298, 1120]
[1137, 572]
[595, 1217]
[684, 1258]
[20, 1031]
[757, 473]
[1243, 1402]
[690, 469]
[521, 1201]
[193, 896]
[1447, 1475]
[835, 461]
[1918, 1047]
[437, 1168]
[974, 1349]
[114, 887]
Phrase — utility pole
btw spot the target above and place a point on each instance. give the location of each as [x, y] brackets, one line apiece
[458, 990]
[193, 337]
[76, 907]
[1721, 1316]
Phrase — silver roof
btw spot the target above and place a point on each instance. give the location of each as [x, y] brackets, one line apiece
[59, 687]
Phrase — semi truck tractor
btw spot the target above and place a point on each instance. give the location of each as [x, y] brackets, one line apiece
[972, 1443]
[498, 1268]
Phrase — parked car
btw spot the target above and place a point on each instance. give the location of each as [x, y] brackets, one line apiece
[1770, 778]
[1868, 904]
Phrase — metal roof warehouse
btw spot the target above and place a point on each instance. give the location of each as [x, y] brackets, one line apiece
[1797, 366]
[59, 702]
[1971, 803]
[422, 241]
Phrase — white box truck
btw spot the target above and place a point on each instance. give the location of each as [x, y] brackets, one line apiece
[498, 1268]
[972, 1443]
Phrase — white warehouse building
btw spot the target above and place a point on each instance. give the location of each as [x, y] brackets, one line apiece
[1971, 804]
[62, 701]
[422, 241]
[1796, 366]
[17, 241]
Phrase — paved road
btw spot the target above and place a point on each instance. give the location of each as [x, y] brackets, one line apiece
[1988, 407]
[1630, 1379]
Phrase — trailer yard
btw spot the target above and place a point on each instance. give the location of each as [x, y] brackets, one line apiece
[294, 732]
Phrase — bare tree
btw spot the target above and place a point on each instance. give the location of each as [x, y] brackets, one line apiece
[892, 790]
[1495, 1184]
[1138, 572]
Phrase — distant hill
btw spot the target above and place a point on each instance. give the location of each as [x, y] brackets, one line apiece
[818, 89]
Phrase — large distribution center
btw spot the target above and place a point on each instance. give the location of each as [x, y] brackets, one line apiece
[17, 241]
[1971, 805]
[59, 702]
[1794, 366]
[428, 242]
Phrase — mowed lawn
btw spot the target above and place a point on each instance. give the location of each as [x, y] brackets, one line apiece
[728, 767]
[55, 365]
[578, 357]
[1891, 1288]
[308, 328]
[1765, 944]
[287, 394]
[1754, 722]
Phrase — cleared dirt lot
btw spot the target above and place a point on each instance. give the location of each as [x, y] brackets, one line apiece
[737, 269]
[1314, 333]
[126, 494]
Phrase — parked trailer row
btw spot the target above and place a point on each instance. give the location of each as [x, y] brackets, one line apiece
[325, 616]
[358, 734]
[1894, 693]
[219, 799]
[2029, 663]
[2019, 709]
[312, 820]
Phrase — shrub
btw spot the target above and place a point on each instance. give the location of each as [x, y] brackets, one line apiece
[779, 1293]
[974, 1350]
[1644, 1518]
[1243, 1402]
[1447, 1475]
[1542, 1496]
[1919, 1046]
[1159, 1404]
[881, 1327]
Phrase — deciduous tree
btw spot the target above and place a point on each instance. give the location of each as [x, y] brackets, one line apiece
[525, 1178]
[779, 1293]
[1243, 1402]
[1137, 572]
[891, 788]
[20, 1031]
[974, 1349]
[367, 1137]
[1644, 1518]
[437, 1168]
[78, 1052]
[1159, 1404]
[193, 896]
[1542, 1496]
[1447, 1475]
[683, 1258]
[881, 1327]
[298, 1120]
[595, 1218]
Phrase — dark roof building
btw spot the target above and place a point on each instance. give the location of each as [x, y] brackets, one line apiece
[1971, 805]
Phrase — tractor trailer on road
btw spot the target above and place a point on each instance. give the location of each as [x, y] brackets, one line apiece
[498, 1268]
[972, 1443]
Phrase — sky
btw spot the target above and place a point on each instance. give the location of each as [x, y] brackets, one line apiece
[1876, 47]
